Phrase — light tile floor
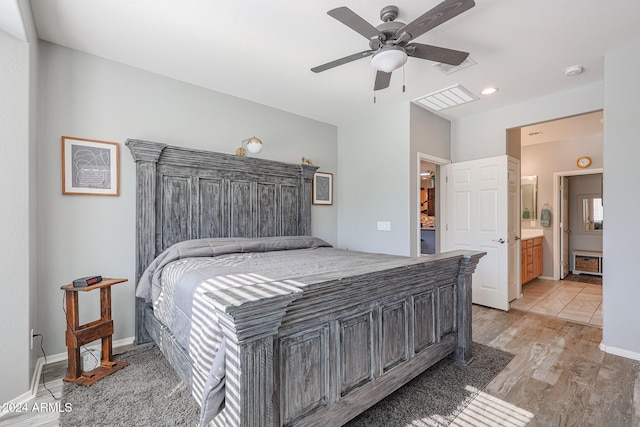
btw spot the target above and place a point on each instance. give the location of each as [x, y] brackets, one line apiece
[575, 301]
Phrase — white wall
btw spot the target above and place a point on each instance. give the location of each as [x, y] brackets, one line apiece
[373, 183]
[89, 97]
[15, 243]
[484, 135]
[621, 283]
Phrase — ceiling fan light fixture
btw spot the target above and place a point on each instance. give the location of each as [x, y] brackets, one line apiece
[389, 59]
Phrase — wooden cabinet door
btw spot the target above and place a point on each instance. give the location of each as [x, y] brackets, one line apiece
[523, 262]
[537, 261]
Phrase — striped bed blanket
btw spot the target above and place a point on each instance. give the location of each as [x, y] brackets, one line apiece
[177, 279]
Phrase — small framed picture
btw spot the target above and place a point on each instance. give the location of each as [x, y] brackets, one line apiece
[322, 188]
[90, 167]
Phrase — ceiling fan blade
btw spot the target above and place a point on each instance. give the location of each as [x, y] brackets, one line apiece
[356, 22]
[436, 54]
[436, 16]
[342, 61]
[382, 80]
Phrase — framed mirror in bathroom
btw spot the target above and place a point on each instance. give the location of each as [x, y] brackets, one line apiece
[529, 196]
[591, 212]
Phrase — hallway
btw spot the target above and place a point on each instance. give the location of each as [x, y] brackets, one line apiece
[569, 299]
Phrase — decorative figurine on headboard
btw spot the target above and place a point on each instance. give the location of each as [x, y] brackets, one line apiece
[306, 161]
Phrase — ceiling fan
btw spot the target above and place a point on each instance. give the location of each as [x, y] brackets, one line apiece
[389, 42]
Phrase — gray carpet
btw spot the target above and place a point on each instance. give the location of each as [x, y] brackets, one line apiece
[148, 393]
[145, 393]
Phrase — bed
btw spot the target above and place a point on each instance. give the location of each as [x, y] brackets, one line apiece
[314, 341]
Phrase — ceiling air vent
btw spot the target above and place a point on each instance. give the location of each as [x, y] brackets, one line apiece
[450, 69]
[446, 98]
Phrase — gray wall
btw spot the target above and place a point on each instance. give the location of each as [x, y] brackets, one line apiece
[15, 231]
[621, 283]
[89, 97]
[378, 166]
[374, 182]
[544, 160]
[431, 135]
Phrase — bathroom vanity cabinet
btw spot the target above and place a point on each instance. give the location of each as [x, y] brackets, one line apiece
[531, 258]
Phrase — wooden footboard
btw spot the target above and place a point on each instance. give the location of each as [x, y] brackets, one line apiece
[322, 349]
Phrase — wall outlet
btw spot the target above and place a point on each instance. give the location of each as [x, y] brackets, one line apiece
[31, 339]
[384, 226]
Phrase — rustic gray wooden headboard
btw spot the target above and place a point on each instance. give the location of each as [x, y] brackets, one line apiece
[189, 194]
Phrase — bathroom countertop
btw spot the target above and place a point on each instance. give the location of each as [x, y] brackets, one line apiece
[531, 233]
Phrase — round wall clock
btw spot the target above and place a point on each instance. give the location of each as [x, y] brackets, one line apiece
[583, 162]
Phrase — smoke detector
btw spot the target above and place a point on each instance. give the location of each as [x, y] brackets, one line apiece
[574, 70]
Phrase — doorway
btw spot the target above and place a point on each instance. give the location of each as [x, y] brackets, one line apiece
[567, 151]
[550, 150]
[577, 231]
[428, 176]
[428, 215]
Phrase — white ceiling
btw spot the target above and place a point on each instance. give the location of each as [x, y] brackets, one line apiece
[263, 50]
[563, 129]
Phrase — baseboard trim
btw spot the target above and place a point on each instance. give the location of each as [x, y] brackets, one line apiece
[33, 390]
[620, 352]
[40, 363]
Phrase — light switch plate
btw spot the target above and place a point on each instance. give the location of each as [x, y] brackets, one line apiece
[384, 225]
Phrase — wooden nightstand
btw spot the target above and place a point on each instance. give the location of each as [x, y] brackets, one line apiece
[78, 335]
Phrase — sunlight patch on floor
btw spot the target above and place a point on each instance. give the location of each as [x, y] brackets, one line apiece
[489, 411]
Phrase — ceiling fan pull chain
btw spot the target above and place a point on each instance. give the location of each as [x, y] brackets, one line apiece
[374, 87]
[403, 79]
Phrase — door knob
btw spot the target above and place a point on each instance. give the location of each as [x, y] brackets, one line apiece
[499, 240]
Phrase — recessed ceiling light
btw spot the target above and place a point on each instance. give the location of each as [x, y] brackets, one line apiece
[574, 70]
[489, 91]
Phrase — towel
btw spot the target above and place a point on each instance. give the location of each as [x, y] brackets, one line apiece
[545, 217]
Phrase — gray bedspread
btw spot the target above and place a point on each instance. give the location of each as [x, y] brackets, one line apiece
[177, 279]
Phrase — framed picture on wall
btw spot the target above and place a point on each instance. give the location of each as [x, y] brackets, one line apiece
[322, 188]
[90, 167]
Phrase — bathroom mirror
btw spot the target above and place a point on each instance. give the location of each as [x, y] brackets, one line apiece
[528, 196]
[592, 213]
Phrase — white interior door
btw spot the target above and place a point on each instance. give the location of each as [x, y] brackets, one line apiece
[513, 230]
[565, 265]
[476, 219]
